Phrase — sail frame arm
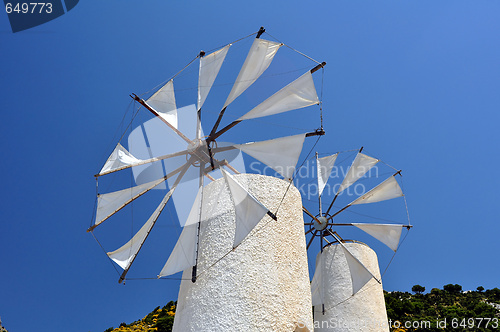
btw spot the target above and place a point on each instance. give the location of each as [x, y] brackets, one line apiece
[155, 113]
[175, 171]
[185, 167]
[143, 162]
[213, 136]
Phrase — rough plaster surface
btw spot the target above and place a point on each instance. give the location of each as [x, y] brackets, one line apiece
[365, 311]
[263, 284]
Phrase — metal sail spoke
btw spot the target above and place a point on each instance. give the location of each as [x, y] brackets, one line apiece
[149, 108]
[146, 161]
[311, 240]
[121, 206]
[164, 202]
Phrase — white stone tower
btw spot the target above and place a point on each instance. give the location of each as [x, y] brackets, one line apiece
[261, 285]
[365, 311]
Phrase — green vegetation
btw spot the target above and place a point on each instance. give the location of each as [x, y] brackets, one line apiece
[461, 311]
[452, 308]
[158, 320]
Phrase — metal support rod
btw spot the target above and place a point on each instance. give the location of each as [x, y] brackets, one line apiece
[170, 193]
[146, 161]
[261, 31]
[311, 240]
[317, 132]
[331, 204]
[216, 125]
[193, 274]
[143, 103]
[315, 69]
[311, 215]
[222, 131]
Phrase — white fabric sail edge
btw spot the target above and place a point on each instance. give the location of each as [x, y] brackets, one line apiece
[281, 154]
[259, 57]
[194, 216]
[386, 190]
[110, 203]
[324, 167]
[163, 102]
[248, 210]
[119, 157]
[361, 164]
[184, 254]
[125, 255]
[317, 284]
[297, 94]
[145, 161]
[360, 275]
[209, 68]
[317, 292]
[388, 234]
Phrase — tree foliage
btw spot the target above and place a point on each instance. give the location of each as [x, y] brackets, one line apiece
[450, 304]
[158, 320]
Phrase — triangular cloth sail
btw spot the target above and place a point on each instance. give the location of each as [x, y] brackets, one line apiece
[386, 190]
[359, 273]
[184, 254]
[317, 293]
[385, 233]
[298, 94]
[125, 255]
[249, 211]
[361, 164]
[120, 157]
[110, 203]
[209, 68]
[281, 154]
[324, 166]
[259, 57]
[318, 281]
[194, 216]
[163, 101]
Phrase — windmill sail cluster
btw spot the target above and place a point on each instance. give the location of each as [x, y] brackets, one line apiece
[281, 154]
[389, 234]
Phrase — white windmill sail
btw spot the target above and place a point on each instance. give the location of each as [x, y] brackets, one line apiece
[317, 283]
[361, 164]
[110, 203]
[209, 68]
[317, 292]
[324, 166]
[120, 157]
[386, 190]
[259, 57]
[249, 211]
[298, 94]
[360, 275]
[163, 102]
[194, 216]
[184, 254]
[281, 154]
[389, 234]
[125, 255]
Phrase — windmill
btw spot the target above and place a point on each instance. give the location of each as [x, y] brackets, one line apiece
[324, 227]
[203, 156]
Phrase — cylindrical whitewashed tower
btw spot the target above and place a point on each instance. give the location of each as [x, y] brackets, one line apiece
[261, 285]
[365, 311]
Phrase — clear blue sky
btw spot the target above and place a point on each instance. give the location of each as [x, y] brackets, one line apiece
[415, 82]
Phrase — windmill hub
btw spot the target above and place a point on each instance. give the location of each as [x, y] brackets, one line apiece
[195, 144]
[320, 226]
